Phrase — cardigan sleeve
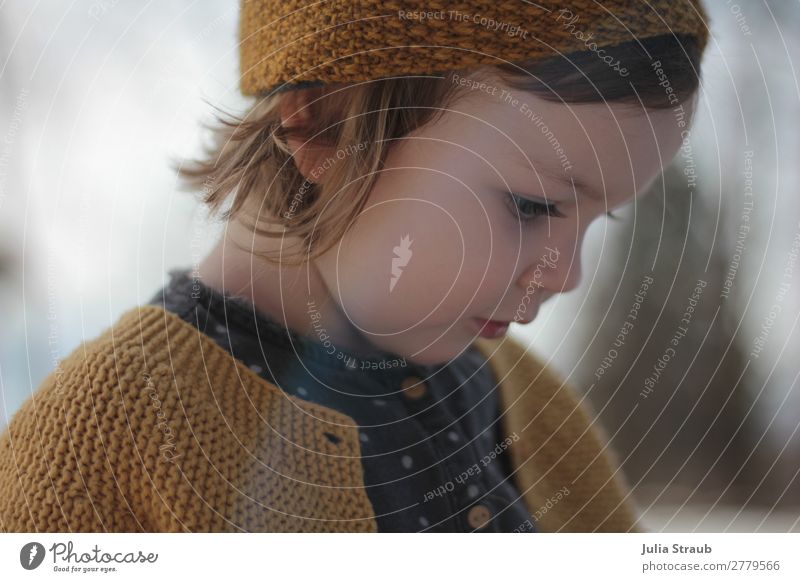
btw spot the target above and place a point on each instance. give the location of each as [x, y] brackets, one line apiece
[65, 461]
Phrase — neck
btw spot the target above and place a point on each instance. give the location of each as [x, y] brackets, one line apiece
[286, 294]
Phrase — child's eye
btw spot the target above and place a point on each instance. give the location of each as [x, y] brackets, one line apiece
[527, 209]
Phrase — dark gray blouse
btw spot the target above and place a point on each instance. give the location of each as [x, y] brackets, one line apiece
[432, 456]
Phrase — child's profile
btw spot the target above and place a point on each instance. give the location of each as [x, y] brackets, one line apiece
[340, 361]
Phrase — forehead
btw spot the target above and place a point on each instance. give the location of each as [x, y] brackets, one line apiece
[613, 148]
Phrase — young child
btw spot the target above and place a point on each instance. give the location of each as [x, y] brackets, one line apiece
[407, 184]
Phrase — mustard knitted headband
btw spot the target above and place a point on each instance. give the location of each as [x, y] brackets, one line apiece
[306, 42]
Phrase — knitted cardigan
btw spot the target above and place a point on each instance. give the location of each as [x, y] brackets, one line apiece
[152, 426]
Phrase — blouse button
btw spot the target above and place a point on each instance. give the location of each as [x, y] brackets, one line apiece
[414, 388]
[478, 516]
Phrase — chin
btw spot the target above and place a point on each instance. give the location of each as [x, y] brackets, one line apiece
[439, 354]
[429, 359]
[441, 347]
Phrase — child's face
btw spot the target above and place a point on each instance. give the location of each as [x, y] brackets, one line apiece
[468, 254]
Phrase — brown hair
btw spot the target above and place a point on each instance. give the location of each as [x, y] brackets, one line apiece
[250, 161]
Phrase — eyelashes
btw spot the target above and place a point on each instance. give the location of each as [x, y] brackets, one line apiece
[528, 210]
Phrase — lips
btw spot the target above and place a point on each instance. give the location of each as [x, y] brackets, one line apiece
[493, 328]
[490, 328]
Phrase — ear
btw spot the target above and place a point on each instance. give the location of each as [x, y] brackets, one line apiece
[297, 110]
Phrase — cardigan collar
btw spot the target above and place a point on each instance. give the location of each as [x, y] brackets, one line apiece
[239, 310]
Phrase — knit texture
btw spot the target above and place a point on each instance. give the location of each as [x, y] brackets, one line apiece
[301, 42]
[560, 446]
[153, 427]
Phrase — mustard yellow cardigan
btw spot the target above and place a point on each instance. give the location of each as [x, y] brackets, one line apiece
[152, 426]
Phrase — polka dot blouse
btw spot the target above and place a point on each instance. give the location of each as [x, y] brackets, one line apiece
[432, 456]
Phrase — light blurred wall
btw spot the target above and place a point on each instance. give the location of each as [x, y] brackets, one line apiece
[100, 97]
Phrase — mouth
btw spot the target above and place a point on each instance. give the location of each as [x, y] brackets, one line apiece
[491, 328]
[494, 328]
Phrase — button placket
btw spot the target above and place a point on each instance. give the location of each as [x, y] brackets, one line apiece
[431, 418]
[466, 503]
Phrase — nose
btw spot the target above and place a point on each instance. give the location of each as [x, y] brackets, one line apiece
[554, 268]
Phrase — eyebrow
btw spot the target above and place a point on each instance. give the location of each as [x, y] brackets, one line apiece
[580, 186]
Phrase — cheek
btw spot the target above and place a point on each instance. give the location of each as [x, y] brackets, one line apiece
[422, 254]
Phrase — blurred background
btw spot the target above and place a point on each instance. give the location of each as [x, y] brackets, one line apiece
[96, 99]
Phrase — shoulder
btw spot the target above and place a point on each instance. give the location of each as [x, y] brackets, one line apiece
[516, 365]
[140, 426]
[78, 449]
[561, 442]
